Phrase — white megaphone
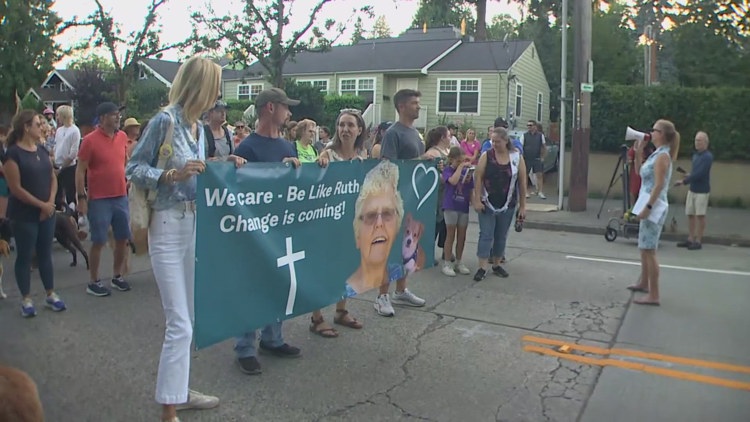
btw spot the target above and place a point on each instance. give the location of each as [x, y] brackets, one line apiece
[634, 135]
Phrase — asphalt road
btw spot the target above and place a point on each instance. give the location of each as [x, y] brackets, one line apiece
[472, 354]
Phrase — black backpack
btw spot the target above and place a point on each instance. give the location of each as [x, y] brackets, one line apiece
[212, 142]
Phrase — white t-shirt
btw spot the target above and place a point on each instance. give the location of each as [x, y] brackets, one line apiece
[67, 141]
[455, 142]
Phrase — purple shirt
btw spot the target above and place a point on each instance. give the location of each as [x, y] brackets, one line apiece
[457, 197]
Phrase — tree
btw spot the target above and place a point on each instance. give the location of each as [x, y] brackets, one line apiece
[91, 60]
[439, 13]
[141, 44]
[261, 34]
[613, 50]
[359, 31]
[381, 28]
[93, 86]
[28, 53]
[502, 26]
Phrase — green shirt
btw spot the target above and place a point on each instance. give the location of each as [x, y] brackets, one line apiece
[306, 154]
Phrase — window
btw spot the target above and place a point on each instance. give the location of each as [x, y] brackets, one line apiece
[321, 84]
[519, 99]
[539, 109]
[142, 74]
[248, 91]
[363, 87]
[63, 87]
[458, 96]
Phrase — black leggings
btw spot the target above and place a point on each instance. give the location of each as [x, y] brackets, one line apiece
[31, 236]
[440, 233]
[66, 186]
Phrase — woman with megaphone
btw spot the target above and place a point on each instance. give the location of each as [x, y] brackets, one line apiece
[652, 206]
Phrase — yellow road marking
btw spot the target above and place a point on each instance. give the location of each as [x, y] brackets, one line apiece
[635, 366]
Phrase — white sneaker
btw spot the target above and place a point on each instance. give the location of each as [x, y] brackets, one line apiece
[383, 305]
[408, 298]
[542, 196]
[448, 270]
[198, 400]
[462, 269]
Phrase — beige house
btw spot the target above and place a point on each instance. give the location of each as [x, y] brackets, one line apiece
[460, 79]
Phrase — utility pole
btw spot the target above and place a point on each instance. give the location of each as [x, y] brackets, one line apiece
[579, 166]
[563, 111]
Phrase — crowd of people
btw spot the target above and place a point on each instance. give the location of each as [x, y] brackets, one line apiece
[92, 175]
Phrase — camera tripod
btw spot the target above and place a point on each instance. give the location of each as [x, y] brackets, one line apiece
[624, 168]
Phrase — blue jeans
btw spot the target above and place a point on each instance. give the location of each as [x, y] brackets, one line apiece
[493, 233]
[34, 236]
[270, 337]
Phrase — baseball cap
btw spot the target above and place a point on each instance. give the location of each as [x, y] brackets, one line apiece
[48, 111]
[220, 104]
[130, 121]
[274, 95]
[500, 122]
[107, 107]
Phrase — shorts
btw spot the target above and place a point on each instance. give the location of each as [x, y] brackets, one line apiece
[107, 212]
[456, 218]
[534, 165]
[696, 203]
[4, 191]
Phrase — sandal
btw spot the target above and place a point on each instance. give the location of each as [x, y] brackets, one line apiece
[326, 332]
[343, 318]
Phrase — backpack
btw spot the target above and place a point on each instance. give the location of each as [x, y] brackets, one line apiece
[211, 150]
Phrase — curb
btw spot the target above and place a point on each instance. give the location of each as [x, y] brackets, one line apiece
[671, 237]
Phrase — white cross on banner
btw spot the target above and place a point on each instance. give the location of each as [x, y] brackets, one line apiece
[289, 259]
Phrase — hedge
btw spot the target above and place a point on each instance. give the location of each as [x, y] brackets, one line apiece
[721, 112]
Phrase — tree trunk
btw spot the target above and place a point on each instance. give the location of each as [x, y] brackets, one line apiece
[481, 29]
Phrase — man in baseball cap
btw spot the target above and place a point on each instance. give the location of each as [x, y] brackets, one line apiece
[107, 108]
[273, 95]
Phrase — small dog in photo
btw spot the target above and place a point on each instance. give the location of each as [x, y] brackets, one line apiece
[414, 257]
[19, 398]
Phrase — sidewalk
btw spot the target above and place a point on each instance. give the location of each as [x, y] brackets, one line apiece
[724, 226]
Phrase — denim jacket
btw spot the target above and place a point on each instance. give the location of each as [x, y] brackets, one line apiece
[141, 168]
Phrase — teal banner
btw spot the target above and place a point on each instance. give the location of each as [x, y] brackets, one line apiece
[274, 242]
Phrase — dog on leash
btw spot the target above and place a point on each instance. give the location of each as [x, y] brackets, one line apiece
[68, 235]
[414, 257]
[19, 397]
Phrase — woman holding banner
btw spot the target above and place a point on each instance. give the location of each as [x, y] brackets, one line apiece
[347, 144]
[171, 237]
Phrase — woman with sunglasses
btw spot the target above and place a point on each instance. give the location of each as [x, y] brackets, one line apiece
[31, 207]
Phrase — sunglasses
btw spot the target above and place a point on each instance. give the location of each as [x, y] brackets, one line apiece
[239, 127]
[370, 218]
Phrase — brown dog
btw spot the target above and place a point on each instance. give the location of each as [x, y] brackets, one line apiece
[19, 398]
[413, 255]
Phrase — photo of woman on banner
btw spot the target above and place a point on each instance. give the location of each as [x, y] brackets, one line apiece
[378, 212]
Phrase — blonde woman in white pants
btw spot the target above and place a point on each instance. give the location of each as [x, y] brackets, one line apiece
[172, 232]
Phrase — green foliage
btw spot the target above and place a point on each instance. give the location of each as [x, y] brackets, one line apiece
[29, 101]
[91, 88]
[439, 13]
[335, 103]
[27, 31]
[146, 98]
[312, 101]
[89, 61]
[264, 34]
[381, 28]
[713, 110]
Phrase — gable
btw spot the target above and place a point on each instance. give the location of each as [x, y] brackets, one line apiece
[482, 56]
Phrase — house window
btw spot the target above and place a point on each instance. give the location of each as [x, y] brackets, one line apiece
[248, 91]
[142, 74]
[539, 103]
[321, 84]
[519, 99]
[63, 87]
[458, 96]
[363, 87]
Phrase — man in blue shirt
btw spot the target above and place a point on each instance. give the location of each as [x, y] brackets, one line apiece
[500, 122]
[266, 145]
[699, 180]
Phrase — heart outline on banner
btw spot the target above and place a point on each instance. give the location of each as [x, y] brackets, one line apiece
[426, 171]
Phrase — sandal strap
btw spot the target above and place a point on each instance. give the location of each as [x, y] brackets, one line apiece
[342, 312]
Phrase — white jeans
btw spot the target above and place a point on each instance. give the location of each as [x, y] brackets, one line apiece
[171, 243]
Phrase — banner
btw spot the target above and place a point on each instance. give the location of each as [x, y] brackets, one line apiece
[274, 242]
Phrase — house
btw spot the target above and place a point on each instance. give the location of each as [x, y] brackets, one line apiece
[60, 84]
[461, 80]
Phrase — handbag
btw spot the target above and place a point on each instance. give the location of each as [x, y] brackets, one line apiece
[140, 200]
